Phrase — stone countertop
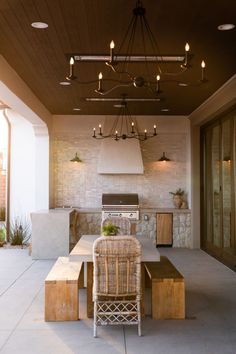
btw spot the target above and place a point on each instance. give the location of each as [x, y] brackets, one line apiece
[164, 210]
[54, 211]
[99, 210]
[142, 210]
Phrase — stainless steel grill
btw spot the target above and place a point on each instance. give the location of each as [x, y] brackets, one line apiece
[120, 205]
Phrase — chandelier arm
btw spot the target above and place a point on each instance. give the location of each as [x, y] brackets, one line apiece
[126, 34]
[199, 83]
[130, 44]
[95, 81]
[150, 89]
[128, 120]
[142, 22]
[114, 126]
[83, 82]
[120, 72]
[175, 73]
[104, 93]
[153, 42]
[110, 64]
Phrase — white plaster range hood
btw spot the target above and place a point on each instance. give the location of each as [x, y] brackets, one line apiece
[120, 157]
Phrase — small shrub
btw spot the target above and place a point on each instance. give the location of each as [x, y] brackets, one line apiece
[19, 233]
[2, 236]
[110, 229]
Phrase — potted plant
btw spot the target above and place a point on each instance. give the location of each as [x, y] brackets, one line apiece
[178, 197]
[2, 236]
[110, 229]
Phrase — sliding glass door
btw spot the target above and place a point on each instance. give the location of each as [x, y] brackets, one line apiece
[218, 188]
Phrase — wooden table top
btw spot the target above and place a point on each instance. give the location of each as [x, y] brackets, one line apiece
[83, 250]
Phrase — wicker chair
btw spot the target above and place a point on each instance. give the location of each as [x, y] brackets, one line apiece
[117, 281]
[123, 223]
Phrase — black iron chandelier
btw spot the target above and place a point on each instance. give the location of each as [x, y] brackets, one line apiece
[124, 127]
[120, 61]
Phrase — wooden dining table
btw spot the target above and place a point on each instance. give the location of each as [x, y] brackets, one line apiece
[83, 252]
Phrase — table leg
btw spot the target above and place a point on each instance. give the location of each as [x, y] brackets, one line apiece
[90, 289]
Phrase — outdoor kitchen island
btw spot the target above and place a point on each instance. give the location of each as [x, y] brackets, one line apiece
[53, 229]
[89, 222]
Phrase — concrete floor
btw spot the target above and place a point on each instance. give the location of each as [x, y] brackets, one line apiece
[210, 327]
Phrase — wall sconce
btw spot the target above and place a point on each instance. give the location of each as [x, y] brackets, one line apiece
[227, 158]
[164, 158]
[76, 158]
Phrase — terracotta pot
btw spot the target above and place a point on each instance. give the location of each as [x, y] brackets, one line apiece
[177, 200]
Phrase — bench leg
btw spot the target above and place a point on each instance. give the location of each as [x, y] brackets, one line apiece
[168, 299]
[61, 301]
[81, 278]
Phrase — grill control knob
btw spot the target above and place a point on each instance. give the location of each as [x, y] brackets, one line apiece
[130, 215]
[120, 215]
[109, 214]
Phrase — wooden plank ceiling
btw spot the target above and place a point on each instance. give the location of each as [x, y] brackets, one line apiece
[88, 26]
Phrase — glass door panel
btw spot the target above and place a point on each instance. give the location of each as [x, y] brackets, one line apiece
[218, 184]
[208, 187]
[226, 183]
[216, 190]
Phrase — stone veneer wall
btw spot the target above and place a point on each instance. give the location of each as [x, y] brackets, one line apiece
[80, 185]
[90, 223]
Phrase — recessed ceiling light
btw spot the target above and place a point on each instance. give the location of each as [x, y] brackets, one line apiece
[226, 27]
[65, 83]
[119, 105]
[76, 109]
[165, 109]
[183, 84]
[39, 25]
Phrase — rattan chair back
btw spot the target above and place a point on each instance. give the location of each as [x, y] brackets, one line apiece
[117, 281]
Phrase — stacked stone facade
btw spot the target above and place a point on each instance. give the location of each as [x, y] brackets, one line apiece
[89, 223]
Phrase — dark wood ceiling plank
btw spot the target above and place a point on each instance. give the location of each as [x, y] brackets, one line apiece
[87, 26]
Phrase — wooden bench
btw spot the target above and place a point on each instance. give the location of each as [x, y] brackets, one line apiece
[61, 291]
[167, 290]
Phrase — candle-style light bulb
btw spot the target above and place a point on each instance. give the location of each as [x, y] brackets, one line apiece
[132, 126]
[155, 129]
[100, 129]
[158, 85]
[94, 132]
[100, 82]
[203, 66]
[145, 134]
[112, 46]
[116, 138]
[72, 62]
[187, 49]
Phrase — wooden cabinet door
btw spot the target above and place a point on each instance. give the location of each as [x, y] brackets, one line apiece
[165, 229]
